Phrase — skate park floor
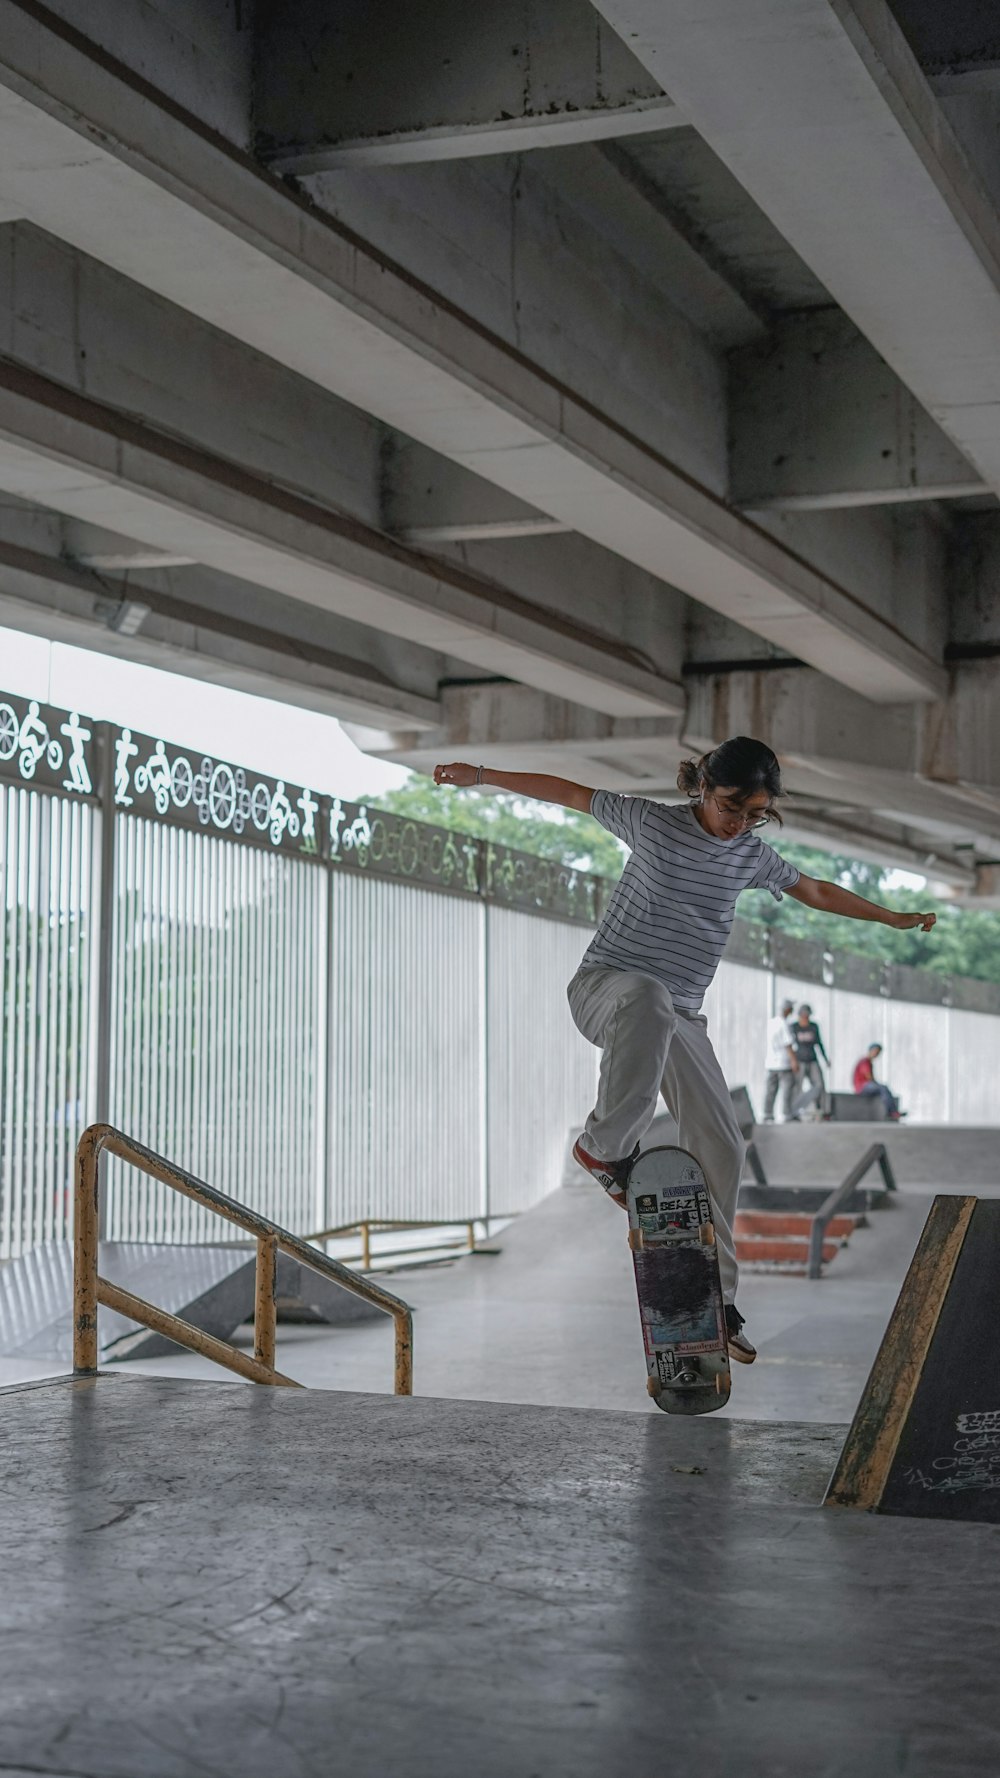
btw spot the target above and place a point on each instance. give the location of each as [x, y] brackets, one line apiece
[525, 1571]
[263, 1583]
[552, 1320]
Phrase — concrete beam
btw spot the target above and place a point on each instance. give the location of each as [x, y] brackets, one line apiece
[485, 531]
[427, 499]
[195, 635]
[65, 314]
[697, 269]
[84, 325]
[819, 421]
[90, 158]
[529, 730]
[198, 52]
[91, 547]
[438, 80]
[92, 463]
[964, 35]
[974, 585]
[518, 729]
[936, 765]
[911, 764]
[820, 109]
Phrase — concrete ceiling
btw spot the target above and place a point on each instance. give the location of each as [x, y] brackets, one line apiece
[603, 358]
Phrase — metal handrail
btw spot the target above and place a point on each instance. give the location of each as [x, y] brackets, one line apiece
[89, 1289]
[366, 1226]
[839, 1196]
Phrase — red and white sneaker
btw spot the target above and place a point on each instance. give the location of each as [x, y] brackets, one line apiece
[612, 1175]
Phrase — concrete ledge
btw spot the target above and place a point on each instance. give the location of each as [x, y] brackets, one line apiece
[950, 1157]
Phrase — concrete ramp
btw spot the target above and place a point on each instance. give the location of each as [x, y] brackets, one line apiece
[210, 1286]
[948, 1157]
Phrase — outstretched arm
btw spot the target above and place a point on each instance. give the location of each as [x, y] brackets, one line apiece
[530, 784]
[830, 898]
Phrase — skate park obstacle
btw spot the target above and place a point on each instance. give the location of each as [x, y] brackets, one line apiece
[925, 1440]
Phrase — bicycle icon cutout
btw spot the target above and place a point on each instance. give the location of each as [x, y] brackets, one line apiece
[30, 738]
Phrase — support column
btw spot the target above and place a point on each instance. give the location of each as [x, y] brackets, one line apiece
[105, 873]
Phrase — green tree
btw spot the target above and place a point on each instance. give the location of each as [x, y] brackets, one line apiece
[964, 941]
[540, 828]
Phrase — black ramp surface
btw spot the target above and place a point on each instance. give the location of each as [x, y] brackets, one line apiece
[252, 1583]
[947, 1462]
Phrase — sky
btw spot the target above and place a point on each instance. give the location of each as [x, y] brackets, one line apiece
[300, 745]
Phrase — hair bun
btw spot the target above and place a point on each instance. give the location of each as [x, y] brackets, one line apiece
[742, 765]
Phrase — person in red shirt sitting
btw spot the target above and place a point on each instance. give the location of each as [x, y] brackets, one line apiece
[865, 1082]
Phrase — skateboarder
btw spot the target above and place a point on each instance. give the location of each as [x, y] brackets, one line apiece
[638, 992]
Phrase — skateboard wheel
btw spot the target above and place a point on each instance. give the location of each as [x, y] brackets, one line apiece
[706, 1234]
[635, 1240]
[722, 1384]
[654, 1387]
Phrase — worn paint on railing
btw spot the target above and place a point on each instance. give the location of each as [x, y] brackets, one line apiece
[90, 1289]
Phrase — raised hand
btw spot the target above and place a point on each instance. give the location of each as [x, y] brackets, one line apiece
[904, 922]
[458, 774]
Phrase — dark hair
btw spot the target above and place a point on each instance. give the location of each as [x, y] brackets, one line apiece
[742, 765]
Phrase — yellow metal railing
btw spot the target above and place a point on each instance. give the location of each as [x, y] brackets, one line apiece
[90, 1289]
[382, 1225]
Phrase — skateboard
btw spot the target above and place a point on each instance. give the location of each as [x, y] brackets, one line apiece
[672, 1238]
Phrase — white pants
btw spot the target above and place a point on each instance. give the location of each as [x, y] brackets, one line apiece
[650, 1047]
[780, 1086]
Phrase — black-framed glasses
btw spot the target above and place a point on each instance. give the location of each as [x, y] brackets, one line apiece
[759, 820]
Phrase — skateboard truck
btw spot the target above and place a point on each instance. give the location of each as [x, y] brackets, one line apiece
[687, 1380]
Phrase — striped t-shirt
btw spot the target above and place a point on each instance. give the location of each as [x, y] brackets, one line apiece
[672, 911]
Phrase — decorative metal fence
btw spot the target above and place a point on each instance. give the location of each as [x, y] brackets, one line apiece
[318, 1007]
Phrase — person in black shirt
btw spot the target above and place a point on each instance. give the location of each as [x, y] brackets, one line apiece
[806, 1041]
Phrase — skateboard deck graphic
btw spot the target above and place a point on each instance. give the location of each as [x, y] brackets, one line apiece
[677, 1282]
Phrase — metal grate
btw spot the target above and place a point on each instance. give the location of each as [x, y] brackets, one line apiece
[406, 1060]
[536, 1059]
[48, 908]
[218, 1022]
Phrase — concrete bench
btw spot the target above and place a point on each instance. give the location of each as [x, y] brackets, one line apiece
[856, 1108]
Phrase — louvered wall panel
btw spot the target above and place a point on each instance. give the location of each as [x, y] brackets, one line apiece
[542, 1073]
[48, 937]
[218, 1027]
[406, 1053]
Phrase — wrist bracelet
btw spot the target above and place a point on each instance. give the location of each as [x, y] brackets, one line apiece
[479, 774]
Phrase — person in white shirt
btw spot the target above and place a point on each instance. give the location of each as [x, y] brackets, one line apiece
[780, 1064]
[639, 989]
